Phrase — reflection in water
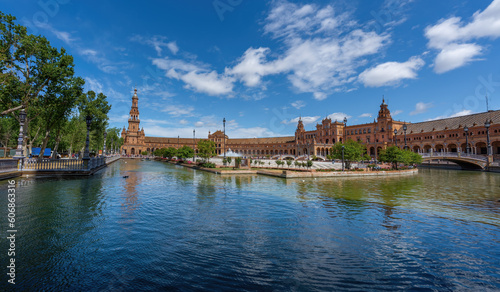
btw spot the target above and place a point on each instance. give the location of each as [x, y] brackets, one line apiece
[167, 227]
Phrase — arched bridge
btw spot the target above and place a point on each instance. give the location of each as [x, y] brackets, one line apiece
[465, 161]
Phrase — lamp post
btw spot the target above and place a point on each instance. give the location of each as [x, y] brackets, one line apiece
[404, 129]
[86, 156]
[19, 151]
[343, 147]
[345, 125]
[224, 125]
[104, 147]
[396, 137]
[194, 145]
[487, 125]
[178, 141]
[466, 130]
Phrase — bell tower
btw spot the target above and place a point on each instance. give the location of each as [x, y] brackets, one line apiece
[133, 137]
[133, 119]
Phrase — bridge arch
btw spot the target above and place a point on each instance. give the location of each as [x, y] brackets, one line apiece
[463, 162]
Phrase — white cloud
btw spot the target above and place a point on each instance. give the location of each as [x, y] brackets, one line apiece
[62, 35]
[420, 108]
[452, 37]
[183, 122]
[305, 120]
[298, 104]
[196, 76]
[210, 83]
[322, 49]
[157, 42]
[396, 112]
[365, 115]
[100, 60]
[93, 84]
[178, 110]
[454, 56]
[339, 116]
[254, 132]
[391, 73]
[457, 114]
[153, 121]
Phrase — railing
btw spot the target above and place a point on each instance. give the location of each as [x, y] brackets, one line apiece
[7, 165]
[454, 154]
[33, 164]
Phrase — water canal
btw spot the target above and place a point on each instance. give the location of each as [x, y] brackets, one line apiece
[170, 228]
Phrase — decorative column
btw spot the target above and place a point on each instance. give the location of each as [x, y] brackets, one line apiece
[466, 130]
[20, 139]
[104, 147]
[86, 156]
[224, 123]
[194, 145]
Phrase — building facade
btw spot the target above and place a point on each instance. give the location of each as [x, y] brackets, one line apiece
[445, 135]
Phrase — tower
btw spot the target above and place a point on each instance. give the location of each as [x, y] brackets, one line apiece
[133, 120]
[384, 120]
[133, 137]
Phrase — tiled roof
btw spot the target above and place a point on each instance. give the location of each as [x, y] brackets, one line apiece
[474, 120]
[171, 140]
[262, 140]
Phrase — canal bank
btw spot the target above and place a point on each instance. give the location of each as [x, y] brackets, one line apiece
[294, 173]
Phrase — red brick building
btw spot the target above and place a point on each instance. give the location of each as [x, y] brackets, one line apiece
[446, 135]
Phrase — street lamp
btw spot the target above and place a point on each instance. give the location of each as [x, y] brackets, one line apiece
[194, 145]
[86, 156]
[466, 129]
[224, 124]
[487, 125]
[20, 139]
[404, 129]
[396, 137]
[104, 147]
[345, 125]
[343, 157]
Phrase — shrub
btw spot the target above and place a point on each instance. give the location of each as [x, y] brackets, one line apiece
[208, 165]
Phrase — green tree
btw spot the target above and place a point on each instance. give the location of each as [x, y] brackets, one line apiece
[169, 152]
[97, 107]
[206, 149]
[158, 152]
[28, 66]
[228, 159]
[113, 139]
[289, 162]
[353, 152]
[185, 152]
[395, 156]
[391, 155]
[144, 153]
[309, 163]
[58, 101]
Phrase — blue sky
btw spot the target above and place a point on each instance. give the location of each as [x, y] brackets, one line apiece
[264, 64]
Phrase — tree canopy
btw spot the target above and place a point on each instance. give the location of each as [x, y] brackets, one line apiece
[40, 79]
[206, 149]
[185, 152]
[395, 156]
[353, 151]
